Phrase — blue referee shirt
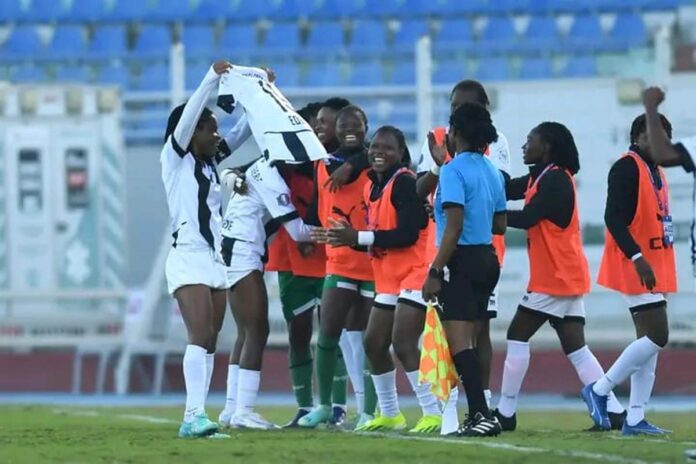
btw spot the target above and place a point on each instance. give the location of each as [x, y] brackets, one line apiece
[470, 181]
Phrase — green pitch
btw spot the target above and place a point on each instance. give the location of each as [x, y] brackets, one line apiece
[127, 435]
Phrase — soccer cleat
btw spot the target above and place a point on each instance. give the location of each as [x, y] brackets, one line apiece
[251, 420]
[690, 454]
[338, 416]
[597, 407]
[508, 424]
[384, 423]
[294, 422]
[199, 427]
[225, 418]
[428, 424]
[480, 426]
[617, 420]
[642, 428]
[319, 415]
[363, 419]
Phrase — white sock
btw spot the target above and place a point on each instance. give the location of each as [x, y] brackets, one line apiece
[450, 420]
[247, 390]
[385, 386]
[426, 399]
[516, 364]
[194, 378]
[232, 382]
[589, 370]
[488, 395]
[631, 359]
[209, 366]
[357, 355]
[642, 382]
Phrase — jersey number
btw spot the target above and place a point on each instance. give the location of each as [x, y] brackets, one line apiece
[282, 102]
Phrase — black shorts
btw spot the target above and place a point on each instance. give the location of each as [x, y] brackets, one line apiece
[473, 274]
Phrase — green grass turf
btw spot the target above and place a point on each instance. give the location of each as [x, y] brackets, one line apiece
[34, 434]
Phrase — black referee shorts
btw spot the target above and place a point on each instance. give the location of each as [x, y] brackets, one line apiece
[473, 274]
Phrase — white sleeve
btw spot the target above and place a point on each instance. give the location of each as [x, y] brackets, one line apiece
[500, 154]
[183, 132]
[298, 230]
[272, 189]
[426, 158]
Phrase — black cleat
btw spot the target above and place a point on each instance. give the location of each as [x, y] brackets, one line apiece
[617, 420]
[508, 424]
[294, 422]
[480, 426]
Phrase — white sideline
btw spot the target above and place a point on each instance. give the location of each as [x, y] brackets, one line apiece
[486, 444]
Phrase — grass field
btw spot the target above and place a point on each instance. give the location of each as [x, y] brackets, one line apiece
[33, 434]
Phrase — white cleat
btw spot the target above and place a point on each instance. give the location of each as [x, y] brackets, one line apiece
[225, 419]
[251, 420]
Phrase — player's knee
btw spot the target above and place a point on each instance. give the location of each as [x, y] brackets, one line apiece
[374, 345]
[404, 348]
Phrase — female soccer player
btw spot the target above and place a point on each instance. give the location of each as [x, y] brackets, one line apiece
[349, 280]
[195, 274]
[638, 262]
[559, 275]
[396, 236]
[469, 208]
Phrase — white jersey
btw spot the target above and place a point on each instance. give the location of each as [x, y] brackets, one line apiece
[688, 145]
[267, 202]
[498, 152]
[192, 185]
[281, 133]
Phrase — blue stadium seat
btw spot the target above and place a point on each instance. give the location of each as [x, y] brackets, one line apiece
[115, 75]
[570, 6]
[409, 32]
[493, 69]
[580, 66]
[198, 40]
[153, 41]
[448, 8]
[68, 42]
[287, 75]
[87, 11]
[253, 10]
[455, 30]
[108, 42]
[153, 78]
[72, 74]
[498, 35]
[449, 72]
[326, 36]
[404, 73]
[211, 10]
[27, 74]
[23, 42]
[171, 10]
[541, 34]
[369, 37]
[283, 36]
[585, 34]
[239, 36]
[11, 10]
[45, 11]
[324, 75]
[367, 73]
[507, 7]
[629, 30]
[536, 68]
[195, 74]
[130, 10]
[334, 9]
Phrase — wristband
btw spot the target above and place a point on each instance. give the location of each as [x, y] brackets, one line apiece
[366, 238]
[636, 256]
[435, 170]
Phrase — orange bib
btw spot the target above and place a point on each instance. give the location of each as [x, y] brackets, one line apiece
[616, 271]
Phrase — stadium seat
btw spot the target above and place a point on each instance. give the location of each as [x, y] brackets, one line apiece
[212, 10]
[27, 74]
[536, 68]
[629, 30]
[449, 8]
[115, 75]
[287, 75]
[507, 7]
[541, 34]
[198, 40]
[253, 10]
[44, 11]
[585, 34]
[326, 36]
[195, 74]
[72, 74]
[11, 11]
[455, 31]
[130, 10]
[493, 69]
[153, 78]
[368, 37]
[284, 36]
[239, 37]
[580, 66]
[68, 42]
[152, 41]
[449, 72]
[403, 73]
[498, 35]
[335, 9]
[409, 32]
[87, 11]
[323, 75]
[23, 42]
[367, 73]
[566, 6]
[108, 42]
[171, 10]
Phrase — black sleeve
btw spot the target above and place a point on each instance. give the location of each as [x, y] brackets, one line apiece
[515, 188]
[410, 214]
[622, 200]
[312, 216]
[686, 161]
[554, 200]
[358, 162]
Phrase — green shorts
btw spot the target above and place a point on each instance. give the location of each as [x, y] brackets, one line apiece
[298, 294]
[364, 287]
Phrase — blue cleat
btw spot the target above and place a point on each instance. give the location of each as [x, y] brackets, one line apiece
[643, 428]
[597, 407]
[294, 422]
[339, 416]
[199, 427]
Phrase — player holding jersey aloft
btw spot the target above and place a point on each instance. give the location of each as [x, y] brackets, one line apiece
[558, 270]
[249, 220]
[395, 235]
[195, 274]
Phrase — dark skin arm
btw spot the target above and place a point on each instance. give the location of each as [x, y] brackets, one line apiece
[661, 149]
[454, 216]
[499, 223]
